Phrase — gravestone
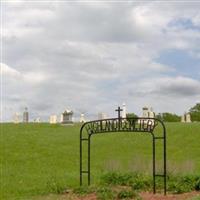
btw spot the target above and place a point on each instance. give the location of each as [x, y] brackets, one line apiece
[188, 117]
[183, 118]
[123, 110]
[67, 117]
[16, 118]
[82, 118]
[147, 112]
[53, 119]
[25, 115]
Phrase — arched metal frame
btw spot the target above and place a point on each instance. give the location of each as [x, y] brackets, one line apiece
[146, 125]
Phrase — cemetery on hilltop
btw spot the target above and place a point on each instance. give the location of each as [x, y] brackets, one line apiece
[66, 117]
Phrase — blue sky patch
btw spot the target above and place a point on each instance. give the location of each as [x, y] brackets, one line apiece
[184, 23]
[183, 63]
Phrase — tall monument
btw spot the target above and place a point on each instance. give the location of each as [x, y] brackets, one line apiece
[25, 115]
[123, 110]
[82, 118]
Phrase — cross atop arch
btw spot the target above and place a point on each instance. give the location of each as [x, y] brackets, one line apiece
[119, 110]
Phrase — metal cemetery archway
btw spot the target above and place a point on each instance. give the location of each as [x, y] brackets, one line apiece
[146, 125]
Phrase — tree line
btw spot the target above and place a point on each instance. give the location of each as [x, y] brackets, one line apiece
[172, 117]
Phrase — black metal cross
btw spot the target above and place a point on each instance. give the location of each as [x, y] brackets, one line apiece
[119, 111]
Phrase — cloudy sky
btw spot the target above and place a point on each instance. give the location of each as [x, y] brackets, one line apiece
[93, 56]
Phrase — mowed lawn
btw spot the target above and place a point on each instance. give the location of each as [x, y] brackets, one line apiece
[38, 158]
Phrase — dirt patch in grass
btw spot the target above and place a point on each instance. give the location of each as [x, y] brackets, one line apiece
[150, 196]
[144, 195]
[89, 197]
[184, 196]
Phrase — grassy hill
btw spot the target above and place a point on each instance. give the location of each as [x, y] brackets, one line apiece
[36, 158]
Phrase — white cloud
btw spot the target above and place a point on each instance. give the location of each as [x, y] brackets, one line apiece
[170, 86]
[179, 86]
[29, 77]
[6, 70]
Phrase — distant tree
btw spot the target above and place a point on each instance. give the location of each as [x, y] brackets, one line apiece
[131, 115]
[168, 117]
[195, 112]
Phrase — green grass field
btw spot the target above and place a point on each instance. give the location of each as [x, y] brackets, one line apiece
[37, 158]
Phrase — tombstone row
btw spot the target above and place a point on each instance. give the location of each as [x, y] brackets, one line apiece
[67, 116]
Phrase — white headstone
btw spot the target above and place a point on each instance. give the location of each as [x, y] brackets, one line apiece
[151, 113]
[82, 118]
[188, 117]
[183, 118]
[123, 110]
[16, 118]
[147, 113]
[53, 119]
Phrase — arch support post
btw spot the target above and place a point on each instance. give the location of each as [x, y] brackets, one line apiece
[154, 164]
[84, 167]
[164, 172]
[165, 162]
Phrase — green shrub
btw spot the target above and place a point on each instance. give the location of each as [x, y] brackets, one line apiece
[178, 188]
[105, 193]
[197, 183]
[181, 184]
[115, 178]
[135, 180]
[175, 184]
[128, 194]
[141, 182]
